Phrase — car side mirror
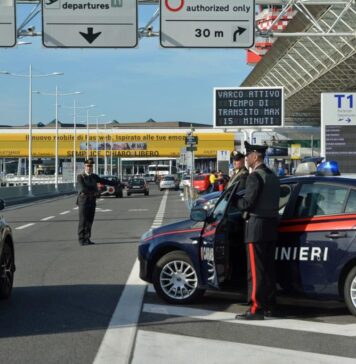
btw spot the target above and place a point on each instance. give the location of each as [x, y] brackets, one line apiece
[198, 214]
[2, 204]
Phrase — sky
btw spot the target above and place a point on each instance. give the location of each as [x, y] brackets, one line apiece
[127, 85]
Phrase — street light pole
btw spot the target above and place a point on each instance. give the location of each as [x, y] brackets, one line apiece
[74, 145]
[30, 134]
[56, 94]
[30, 76]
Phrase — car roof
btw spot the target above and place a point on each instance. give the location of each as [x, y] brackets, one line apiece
[328, 179]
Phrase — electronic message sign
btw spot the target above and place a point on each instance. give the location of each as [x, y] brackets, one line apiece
[248, 107]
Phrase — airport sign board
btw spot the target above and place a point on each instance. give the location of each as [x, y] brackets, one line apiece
[207, 24]
[7, 23]
[248, 107]
[88, 24]
[338, 129]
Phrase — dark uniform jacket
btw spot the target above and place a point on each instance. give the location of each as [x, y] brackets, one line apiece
[241, 177]
[260, 205]
[87, 187]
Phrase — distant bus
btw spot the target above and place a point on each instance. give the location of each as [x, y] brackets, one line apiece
[160, 169]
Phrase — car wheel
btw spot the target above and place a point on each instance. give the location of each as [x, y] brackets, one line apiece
[128, 194]
[161, 189]
[175, 278]
[350, 291]
[7, 268]
[146, 193]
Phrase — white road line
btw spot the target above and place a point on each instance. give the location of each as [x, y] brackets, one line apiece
[25, 226]
[75, 208]
[48, 218]
[162, 348]
[119, 338]
[64, 212]
[229, 317]
[137, 210]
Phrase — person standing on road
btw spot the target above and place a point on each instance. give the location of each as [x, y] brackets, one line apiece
[86, 200]
[260, 212]
[240, 171]
[212, 180]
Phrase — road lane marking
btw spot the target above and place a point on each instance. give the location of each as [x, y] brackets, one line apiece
[137, 210]
[162, 348]
[120, 335]
[229, 317]
[64, 212]
[75, 208]
[25, 226]
[119, 338]
[48, 218]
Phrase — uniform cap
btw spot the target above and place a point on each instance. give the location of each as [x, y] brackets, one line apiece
[238, 156]
[89, 162]
[255, 148]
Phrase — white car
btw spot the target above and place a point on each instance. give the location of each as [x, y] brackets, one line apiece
[185, 181]
[168, 182]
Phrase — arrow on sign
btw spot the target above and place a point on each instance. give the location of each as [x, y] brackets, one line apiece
[90, 36]
[237, 32]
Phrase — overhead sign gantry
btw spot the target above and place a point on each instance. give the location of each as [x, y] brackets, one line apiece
[7, 23]
[87, 24]
[207, 24]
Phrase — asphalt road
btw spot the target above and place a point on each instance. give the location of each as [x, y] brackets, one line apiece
[65, 295]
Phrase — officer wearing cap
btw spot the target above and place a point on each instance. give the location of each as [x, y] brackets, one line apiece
[86, 200]
[240, 171]
[260, 211]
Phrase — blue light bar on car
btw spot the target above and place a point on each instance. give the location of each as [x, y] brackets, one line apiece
[329, 168]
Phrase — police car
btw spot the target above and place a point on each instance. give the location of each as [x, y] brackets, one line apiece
[315, 254]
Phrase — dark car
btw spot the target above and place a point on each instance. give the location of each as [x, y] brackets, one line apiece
[7, 258]
[315, 254]
[137, 185]
[106, 190]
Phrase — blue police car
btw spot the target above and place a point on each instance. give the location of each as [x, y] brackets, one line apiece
[315, 254]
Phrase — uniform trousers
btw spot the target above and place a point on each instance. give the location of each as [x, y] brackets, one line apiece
[86, 217]
[261, 276]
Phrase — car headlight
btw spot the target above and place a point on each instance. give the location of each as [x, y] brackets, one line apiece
[147, 235]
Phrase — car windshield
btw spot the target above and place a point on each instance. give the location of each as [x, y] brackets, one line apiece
[199, 178]
[137, 182]
[168, 178]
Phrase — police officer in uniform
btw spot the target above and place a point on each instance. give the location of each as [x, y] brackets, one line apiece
[86, 200]
[240, 171]
[260, 211]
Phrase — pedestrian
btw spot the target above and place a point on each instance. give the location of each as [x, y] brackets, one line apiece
[240, 171]
[86, 200]
[212, 180]
[260, 212]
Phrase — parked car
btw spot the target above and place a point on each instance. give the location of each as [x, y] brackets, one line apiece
[201, 182]
[185, 181]
[7, 257]
[315, 253]
[106, 190]
[137, 185]
[149, 177]
[168, 182]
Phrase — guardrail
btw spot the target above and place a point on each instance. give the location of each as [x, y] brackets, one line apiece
[19, 194]
[23, 180]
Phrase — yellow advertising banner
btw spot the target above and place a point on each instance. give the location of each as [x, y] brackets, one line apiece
[123, 145]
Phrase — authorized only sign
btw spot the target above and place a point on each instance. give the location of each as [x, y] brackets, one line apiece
[248, 107]
[207, 23]
[89, 24]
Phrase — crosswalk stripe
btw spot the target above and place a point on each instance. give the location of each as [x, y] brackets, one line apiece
[162, 348]
[229, 317]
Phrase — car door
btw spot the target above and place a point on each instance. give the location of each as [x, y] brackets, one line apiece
[313, 237]
[215, 240]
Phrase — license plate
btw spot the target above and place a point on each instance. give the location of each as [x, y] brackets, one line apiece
[136, 186]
